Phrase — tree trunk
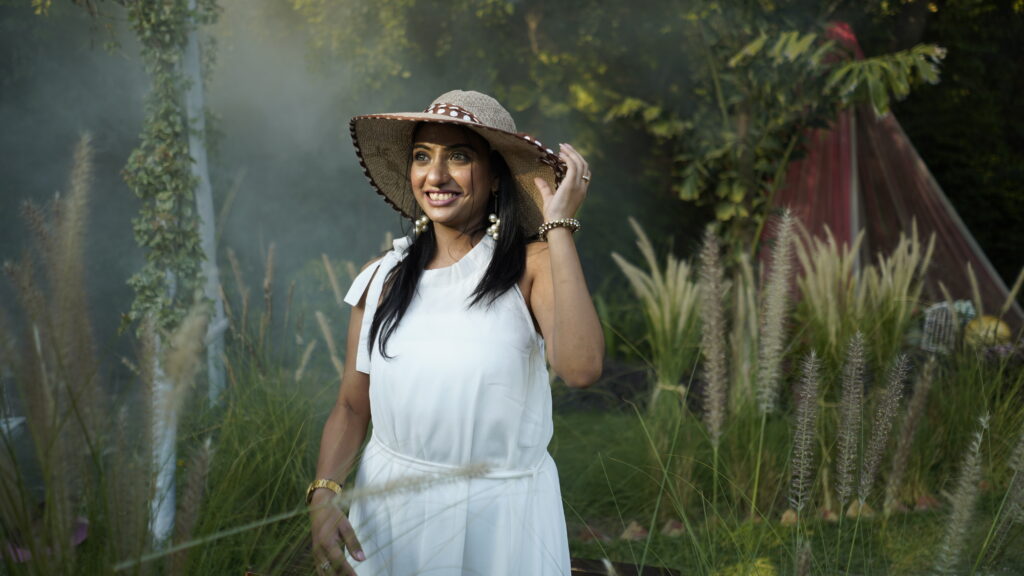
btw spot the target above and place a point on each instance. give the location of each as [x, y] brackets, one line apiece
[164, 435]
[194, 108]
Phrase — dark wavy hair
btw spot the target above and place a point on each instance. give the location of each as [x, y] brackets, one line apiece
[506, 268]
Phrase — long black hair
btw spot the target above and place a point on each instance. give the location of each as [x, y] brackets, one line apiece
[505, 269]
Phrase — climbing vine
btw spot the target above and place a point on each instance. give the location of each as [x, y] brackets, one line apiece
[159, 169]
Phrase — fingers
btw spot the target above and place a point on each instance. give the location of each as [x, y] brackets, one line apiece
[336, 562]
[572, 190]
[543, 187]
[576, 166]
[351, 542]
[331, 540]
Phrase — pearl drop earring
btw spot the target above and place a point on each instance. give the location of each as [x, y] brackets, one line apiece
[421, 224]
[495, 226]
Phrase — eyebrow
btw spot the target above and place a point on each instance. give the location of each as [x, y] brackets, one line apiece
[424, 146]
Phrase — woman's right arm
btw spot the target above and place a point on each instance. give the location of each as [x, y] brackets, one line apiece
[342, 437]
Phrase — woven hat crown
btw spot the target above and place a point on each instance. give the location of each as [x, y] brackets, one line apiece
[485, 109]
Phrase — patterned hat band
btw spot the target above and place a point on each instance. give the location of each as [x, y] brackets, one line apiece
[453, 111]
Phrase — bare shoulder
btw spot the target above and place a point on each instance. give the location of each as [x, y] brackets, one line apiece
[538, 265]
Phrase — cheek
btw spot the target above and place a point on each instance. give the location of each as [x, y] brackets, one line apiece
[416, 177]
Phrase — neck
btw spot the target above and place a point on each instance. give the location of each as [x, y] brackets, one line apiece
[453, 244]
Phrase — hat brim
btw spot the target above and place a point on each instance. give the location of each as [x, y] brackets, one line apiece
[383, 144]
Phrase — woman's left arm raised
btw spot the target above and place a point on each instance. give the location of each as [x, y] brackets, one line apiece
[559, 297]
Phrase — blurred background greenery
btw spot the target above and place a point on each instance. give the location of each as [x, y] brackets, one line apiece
[648, 91]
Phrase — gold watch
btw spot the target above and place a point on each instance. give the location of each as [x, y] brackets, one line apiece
[321, 483]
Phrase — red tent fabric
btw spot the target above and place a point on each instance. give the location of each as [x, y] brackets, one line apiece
[864, 173]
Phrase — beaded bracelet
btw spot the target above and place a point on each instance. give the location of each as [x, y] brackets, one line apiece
[570, 223]
[321, 483]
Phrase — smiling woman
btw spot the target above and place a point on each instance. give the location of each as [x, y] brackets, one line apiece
[451, 176]
[454, 329]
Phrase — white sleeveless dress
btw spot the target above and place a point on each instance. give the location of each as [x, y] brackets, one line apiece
[463, 386]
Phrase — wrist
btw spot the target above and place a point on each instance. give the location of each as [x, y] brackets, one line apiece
[320, 498]
[570, 224]
[561, 231]
[319, 489]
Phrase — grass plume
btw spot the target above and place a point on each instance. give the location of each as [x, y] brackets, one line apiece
[333, 279]
[188, 509]
[1012, 295]
[802, 464]
[243, 294]
[183, 357]
[743, 343]
[850, 417]
[939, 337]
[1013, 508]
[268, 296]
[306, 355]
[325, 329]
[773, 319]
[888, 406]
[713, 329]
[669, 299]
[962, 500]
[832, 294]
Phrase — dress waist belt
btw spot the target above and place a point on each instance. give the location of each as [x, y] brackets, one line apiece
[428, 467]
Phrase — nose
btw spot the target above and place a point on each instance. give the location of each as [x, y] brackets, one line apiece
[438, 173]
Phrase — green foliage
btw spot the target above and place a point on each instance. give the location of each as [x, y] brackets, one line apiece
[723, 109]
[266, 446]
[840, 296]
[968, 129]
[872, 80]
[159, 170]
[669, 299]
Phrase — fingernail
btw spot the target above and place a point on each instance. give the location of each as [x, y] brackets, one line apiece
[359, 556]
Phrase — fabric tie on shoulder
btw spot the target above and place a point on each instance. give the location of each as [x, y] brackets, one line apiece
[371, 283]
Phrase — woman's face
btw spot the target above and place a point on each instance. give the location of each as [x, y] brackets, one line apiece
[451, 175]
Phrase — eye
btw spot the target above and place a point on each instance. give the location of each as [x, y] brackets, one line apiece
[420, 156]
[460, 157]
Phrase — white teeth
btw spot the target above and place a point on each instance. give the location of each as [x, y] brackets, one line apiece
[441, 195]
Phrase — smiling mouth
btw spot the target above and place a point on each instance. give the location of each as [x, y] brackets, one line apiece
[442, 195]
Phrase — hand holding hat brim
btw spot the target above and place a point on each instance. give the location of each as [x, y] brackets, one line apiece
[566, 199]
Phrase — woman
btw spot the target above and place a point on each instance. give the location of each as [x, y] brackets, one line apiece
[449, 332]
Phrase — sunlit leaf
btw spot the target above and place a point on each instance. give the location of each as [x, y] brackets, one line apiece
[797, 47]
[723, 189]
[878, 94]
[724, 211]
[737, 192]
[751, 49]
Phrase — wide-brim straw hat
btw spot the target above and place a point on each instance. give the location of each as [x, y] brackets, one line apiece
[383, 143]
